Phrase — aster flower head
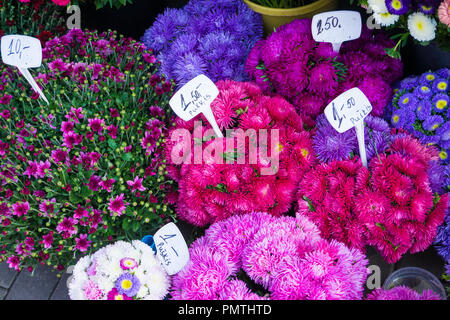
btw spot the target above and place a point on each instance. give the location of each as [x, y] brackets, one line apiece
[128, 284]
[398, 7]
[421, 27]
[402, 293]
[117, 205]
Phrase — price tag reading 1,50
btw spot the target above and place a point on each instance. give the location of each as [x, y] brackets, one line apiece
[348, 110]
[195, 97]
[336, 27]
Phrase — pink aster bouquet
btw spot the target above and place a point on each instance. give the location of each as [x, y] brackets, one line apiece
[257, 256]
[42, 19]
[120, 271]
[255, 167]
[402, 293]
[423, 20]
[310, 75]
[389, 206]
[86, 169]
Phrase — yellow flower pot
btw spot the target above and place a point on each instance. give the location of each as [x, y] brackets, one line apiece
[274, 17]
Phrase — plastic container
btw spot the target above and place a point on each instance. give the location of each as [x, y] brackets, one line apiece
[275, 17]
[417, 279]
[148, 240]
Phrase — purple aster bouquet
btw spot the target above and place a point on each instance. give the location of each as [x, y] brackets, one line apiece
[205, 37]
[402, 293]
[330, 145]
[120, 271]
[257, 256]
[310, 74]
[421, 106]
[86, 169]
[423, 20]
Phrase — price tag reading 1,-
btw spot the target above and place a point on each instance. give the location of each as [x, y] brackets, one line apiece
[171, 248]
[348, 110]
[23, 52]
[195, 97]
[336, 27]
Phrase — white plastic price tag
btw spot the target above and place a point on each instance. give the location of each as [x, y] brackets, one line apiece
[336, 27]
[348, 110]
[171, 248]
[23, 52]
[195, 97]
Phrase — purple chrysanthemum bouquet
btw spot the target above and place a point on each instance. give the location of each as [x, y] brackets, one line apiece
[86, 169]
[309, 74]
[205, 37]
[402, 293]
[257, 256]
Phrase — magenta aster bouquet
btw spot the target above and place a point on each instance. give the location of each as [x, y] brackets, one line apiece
[42, 19]
[402, 293]
[257, 256]
[309, 74]
[389, 206]
[423, 20]
[120, 271]
[241, 177]
[86, 169]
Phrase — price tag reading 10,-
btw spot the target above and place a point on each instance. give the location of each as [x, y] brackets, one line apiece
[171, 248]
[336, 27]
[195, 97]
[348, 110]
[23, 52]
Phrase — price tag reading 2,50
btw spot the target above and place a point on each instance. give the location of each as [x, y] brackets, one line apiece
[348, 110]
[336, 27]
[195, 97]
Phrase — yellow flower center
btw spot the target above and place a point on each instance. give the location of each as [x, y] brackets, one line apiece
[430, 76]
[419, 108]
[304, 152]
[441, 104]
[396, 4]
[118, 297]
[385, 15]
[434, 127]
[443, 155]
[279, 147]
[395, 118]
[425, 88]
[126, 284]
[420, 27]
[442, 85]
[405, 101]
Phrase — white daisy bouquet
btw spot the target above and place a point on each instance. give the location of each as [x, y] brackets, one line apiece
[120, 271]
[423, 20]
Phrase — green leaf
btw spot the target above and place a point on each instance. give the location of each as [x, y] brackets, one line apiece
[86, 192]
[125, 224]
[112, 143]
[135, 225]
[127, 157]
[74, 198]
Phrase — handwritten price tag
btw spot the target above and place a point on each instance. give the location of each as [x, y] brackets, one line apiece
[171, 248]
[195, 97]
[336, 27]
[348, 110]
[23, 52]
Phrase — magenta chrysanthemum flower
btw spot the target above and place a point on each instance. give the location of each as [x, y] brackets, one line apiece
[92, 291]
[47, 206]
[136, 184]
[107, 184]
[67, 227]
[117, 205]
[32, 169]
[47, 240]
[94, 182]
[96, 125]
[20, 208]
[82, 243]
